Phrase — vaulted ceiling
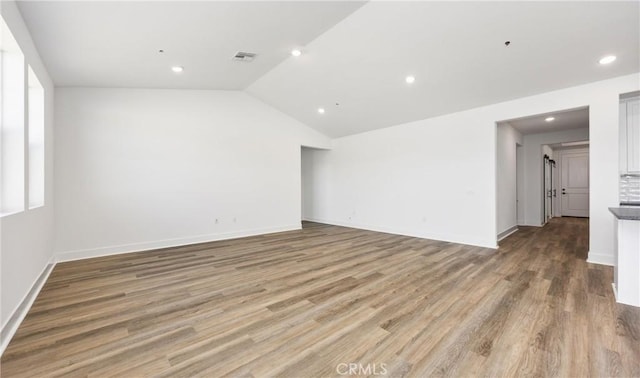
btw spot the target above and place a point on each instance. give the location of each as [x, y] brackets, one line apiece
[118, 43]
[355, 58]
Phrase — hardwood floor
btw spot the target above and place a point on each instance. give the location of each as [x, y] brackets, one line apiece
[307, 303]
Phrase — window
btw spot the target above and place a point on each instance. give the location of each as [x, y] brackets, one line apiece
[36, 140]
[20, 120]
[12, 117]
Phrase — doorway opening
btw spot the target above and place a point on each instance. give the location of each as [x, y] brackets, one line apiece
[313, 171]
[549, 191]
[566, 184]
[542, 169]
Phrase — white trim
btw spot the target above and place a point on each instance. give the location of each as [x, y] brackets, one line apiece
[530, 224]
[20, 312]
[508, 232]
[2, 215]
[146, 246]
[600, 258]
[445, 238]
[615, 291]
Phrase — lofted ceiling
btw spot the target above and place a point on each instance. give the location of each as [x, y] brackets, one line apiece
[354, 58]
[562, 120]
[457, 53]
[117, 43]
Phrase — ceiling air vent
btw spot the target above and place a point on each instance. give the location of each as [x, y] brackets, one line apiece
[244, 56]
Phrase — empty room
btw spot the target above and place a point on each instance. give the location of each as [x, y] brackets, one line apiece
[319, 188]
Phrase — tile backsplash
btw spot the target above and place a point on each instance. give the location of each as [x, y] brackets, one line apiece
[630, 189]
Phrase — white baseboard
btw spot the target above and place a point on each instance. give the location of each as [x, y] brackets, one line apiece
[529, 224]
[600, 258]
[504, 234]
[446, 238]
[146, 246]
[17, 316]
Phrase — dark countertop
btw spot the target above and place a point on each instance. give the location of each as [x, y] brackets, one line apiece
[626, 213]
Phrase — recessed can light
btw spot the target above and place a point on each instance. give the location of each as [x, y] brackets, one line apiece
[550, 119]
[321, 110]
[608, 59]
[410, 79]
[177, 69]
[296, 52]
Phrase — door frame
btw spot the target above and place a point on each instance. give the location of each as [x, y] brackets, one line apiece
[550, 167]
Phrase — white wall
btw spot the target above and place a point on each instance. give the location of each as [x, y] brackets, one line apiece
[437, 177]
[531, 190]
[427, 178]
[506, 190]
[520, 172]
[27, 237]
[139, 169]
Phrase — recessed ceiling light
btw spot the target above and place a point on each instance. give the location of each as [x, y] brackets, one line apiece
[296, 52]
[608, 59]
[321, 110]
[177, 69]
[550, 119]
[410, 79]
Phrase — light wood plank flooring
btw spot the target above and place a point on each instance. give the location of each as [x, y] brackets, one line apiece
[301, 303]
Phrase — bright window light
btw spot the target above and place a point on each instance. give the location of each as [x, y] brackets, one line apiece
[36, 141]
[12, 108]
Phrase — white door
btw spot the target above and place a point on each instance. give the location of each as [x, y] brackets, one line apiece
[575, 183]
